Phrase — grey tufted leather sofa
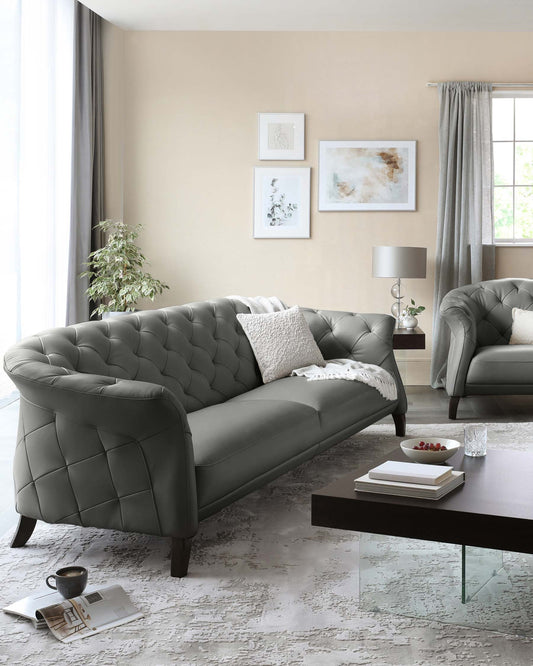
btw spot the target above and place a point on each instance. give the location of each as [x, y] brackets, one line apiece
[480, 360]
[153, 421]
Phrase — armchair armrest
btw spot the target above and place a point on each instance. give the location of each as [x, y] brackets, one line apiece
[102, 452]
[458, 313]
[361, 337]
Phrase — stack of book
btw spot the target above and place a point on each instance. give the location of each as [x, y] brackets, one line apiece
[410, 480]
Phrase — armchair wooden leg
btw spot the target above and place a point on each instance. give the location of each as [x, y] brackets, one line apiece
[399, 422]
[452, 408]
[179, 556]
[24, 531]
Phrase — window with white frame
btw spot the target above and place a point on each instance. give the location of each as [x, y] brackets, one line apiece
[512, 136]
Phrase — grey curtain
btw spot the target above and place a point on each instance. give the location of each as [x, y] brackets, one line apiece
[87, 207]
[465, 253]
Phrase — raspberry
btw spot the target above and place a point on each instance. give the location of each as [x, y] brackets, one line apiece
[429, 446]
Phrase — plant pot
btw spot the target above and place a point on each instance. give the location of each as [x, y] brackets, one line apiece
[113, 313]
[409, 322]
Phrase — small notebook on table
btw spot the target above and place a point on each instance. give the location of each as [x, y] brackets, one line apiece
[410, 480]
[393, 470]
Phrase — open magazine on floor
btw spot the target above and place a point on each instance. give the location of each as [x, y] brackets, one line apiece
[70, 619]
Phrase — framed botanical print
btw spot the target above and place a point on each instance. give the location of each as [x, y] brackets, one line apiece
[282, 202]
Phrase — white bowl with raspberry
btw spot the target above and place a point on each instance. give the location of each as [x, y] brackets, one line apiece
[429, 449]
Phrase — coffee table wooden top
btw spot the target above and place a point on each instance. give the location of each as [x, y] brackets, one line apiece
[493, 509]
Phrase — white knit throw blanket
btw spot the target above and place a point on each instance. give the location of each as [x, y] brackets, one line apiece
[345, 368]
[260, 304]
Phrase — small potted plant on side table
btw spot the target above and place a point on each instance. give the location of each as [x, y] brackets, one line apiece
[115, 271]
[409, 320]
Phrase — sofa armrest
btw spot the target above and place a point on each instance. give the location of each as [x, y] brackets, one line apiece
[102, 452]
[457, 312]
[361, 337]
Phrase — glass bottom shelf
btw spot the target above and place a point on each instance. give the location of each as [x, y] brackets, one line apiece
[473, 587]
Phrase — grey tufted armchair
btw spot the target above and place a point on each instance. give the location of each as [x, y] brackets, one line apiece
[480, 360]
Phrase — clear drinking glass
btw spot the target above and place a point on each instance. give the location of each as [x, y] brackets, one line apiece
[475, 440]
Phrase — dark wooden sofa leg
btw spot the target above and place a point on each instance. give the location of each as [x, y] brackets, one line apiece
[24, 531]
[399, 422]
[452, 408]
[179, 556]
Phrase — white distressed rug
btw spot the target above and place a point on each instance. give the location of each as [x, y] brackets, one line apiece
[265, 587]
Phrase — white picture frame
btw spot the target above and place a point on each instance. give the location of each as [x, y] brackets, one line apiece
[281, 136]
[282, 202]
[367, 175]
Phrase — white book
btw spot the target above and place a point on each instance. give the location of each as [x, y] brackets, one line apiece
[407, 472]
[420, 491]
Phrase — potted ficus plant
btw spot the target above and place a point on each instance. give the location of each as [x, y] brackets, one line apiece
[409, 319]
[116, 271]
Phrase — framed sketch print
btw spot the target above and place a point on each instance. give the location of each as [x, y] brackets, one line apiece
[282, 202]
[367, 175]
[281, 136]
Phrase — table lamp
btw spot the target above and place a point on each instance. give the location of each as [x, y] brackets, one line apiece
[398, 262]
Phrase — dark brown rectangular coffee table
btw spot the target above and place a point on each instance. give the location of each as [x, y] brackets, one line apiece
[493, 509]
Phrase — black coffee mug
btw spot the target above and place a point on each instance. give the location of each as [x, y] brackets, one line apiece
[69, 581]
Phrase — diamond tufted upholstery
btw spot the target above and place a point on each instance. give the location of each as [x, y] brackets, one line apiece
[198, 351]
[151, 421]
[480, 360]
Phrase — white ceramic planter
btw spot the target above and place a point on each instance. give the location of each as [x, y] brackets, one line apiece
[108, 315]
[409, 322]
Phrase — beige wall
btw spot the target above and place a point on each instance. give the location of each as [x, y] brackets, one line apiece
[113, 47]
[181, 140]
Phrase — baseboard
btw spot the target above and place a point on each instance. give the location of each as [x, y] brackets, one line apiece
[414, 371]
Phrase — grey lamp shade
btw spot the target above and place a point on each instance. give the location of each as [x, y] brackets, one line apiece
[399, 262]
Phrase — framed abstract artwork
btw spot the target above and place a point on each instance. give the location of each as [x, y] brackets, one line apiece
[281, 136]
[282, 202]
[367, 175]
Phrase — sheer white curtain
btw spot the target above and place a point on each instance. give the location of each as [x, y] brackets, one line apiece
[36, 93]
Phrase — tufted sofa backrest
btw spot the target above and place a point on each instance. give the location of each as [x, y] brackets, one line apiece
[198, 351]
[491, 304]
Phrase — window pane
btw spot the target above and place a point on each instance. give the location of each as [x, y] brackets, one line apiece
[502, 119]
[524, 118]
[524, 164]
[524, 212]
[503, 212]
[503, 163]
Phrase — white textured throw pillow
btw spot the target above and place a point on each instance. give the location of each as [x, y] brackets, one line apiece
[522, 331]
[281, 341]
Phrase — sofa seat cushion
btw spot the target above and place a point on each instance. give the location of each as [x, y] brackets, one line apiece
[502, 364]
[236, 442]
[340, 403]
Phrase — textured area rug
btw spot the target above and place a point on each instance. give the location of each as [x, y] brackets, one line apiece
[265, 587]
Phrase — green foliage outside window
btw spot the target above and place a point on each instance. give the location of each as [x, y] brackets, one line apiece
[513, 169]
